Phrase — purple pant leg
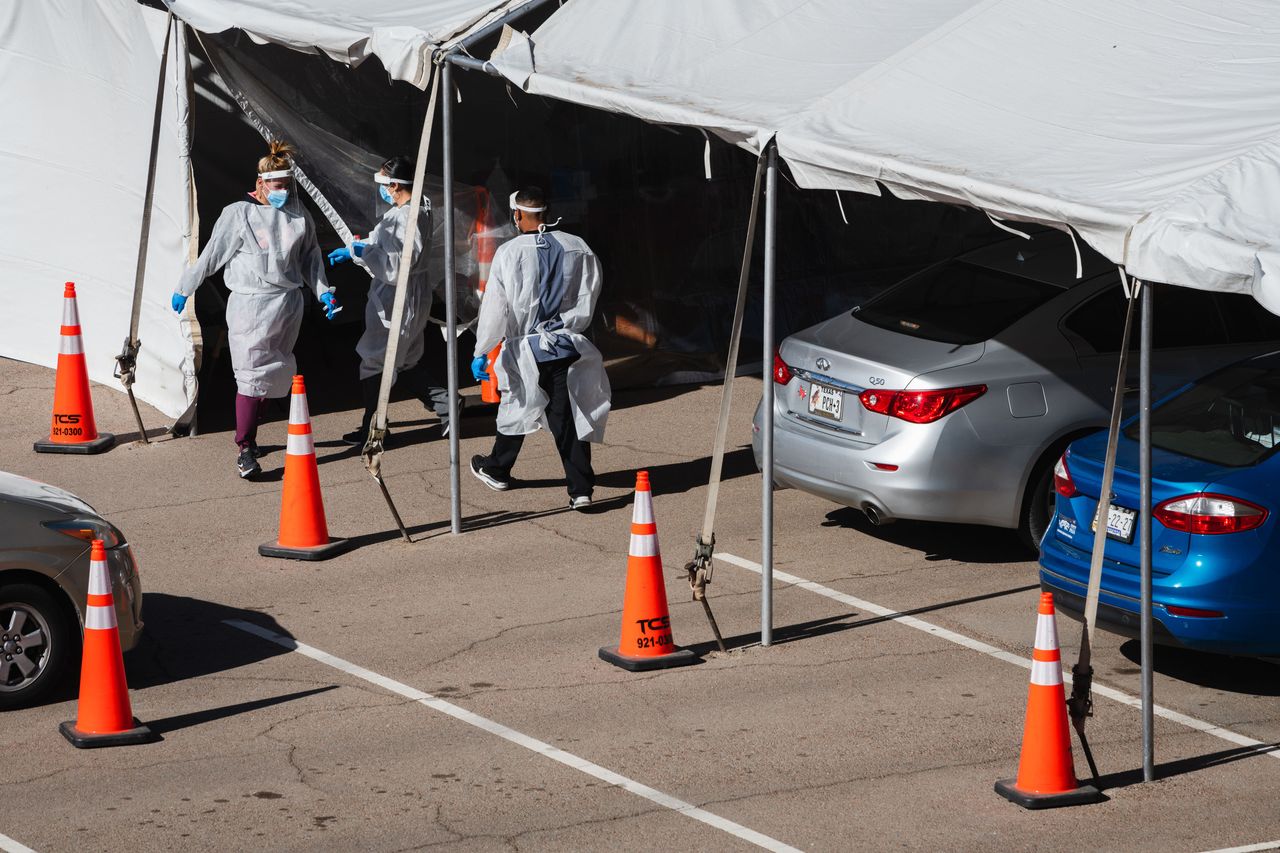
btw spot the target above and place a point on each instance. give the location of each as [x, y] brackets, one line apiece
[248, 413]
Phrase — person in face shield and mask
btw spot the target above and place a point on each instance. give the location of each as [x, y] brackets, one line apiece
[380, 254]
[267, 245]
[539, 301]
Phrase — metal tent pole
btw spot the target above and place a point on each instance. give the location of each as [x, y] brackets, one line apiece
[766, 440]
[451, 321]
[1144, 473]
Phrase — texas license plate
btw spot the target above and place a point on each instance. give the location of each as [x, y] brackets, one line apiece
[1119, 523]
[826, 401]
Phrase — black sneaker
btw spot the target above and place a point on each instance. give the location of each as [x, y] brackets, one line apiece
[257, 451]
[488, 478]
[246, 465]
[356, 438]
[582, 503]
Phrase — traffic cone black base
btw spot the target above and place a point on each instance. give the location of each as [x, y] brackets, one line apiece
[85, 740]
[104, 441]
[680, 657]
[1083, 795]
[315, 553]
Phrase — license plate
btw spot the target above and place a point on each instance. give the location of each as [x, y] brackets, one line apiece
[1119, 523]
[826, 401]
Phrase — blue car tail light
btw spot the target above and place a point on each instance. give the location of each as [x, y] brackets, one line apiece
[1209, 514]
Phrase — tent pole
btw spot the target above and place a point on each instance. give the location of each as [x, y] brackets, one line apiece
[1144, 529]
[451, 320]
[766, 439]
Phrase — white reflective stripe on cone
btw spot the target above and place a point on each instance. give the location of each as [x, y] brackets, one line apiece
[643, 511]
[1047, 673]
[70, 345]
[298, 411]
[1046, 633]
[301, 445]
[70, 313]
[644, 545]
[97, 618]
[99, 580]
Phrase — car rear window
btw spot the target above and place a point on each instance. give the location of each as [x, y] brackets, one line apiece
[1229, 418]
[956, 303]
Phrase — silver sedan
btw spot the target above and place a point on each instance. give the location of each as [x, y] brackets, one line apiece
[45, 533]
[949, 396]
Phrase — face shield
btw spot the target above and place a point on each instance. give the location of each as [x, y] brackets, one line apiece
[515, 205]
[383, 199]
[277, 187]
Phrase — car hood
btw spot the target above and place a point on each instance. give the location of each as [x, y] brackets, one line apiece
[35, 493]
[904, 354]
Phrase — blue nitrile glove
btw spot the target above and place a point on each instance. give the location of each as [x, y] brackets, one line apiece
[331, 306]
[357, 249]
[478, 365]
[339, 255]
[178, 302]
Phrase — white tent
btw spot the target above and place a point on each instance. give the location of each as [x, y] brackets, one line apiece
[78, 87]
[1153, 130]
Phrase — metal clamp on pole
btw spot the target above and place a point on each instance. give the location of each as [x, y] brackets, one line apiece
[699, 570]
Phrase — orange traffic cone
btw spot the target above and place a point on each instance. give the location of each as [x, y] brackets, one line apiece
[74, 429]
[304, 535]
[1046, 773]
[646, 641]
[103, 715]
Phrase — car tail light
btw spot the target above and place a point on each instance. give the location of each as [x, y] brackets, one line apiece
[1062, 482]
[1175, 610]
[1209, 514]
[781, 371]
[920, 407]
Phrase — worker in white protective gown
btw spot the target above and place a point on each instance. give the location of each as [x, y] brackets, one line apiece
[380, 254]
[539, 301]
[267, 245]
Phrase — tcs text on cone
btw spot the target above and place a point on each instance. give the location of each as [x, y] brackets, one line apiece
[646, 641]
[73, 428]
[1046, 773]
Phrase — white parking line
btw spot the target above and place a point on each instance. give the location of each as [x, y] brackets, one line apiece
[8, 845]
[533, 744]
[1249, 848]
[1000, 654]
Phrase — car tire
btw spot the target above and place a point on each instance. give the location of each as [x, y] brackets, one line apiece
[1038, 502]
[28, 610]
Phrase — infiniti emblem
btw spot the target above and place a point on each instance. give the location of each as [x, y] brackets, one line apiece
[823, 364]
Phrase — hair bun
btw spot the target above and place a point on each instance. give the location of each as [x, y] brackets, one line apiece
[280, 148]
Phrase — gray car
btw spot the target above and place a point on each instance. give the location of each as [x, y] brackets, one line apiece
[45, 534]
[950, 396]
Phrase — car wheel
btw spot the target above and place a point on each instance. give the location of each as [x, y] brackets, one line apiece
[35, 644]
[1037, 507]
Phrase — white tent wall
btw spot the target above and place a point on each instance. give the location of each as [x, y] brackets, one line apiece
[1150, 129]
[78, 89]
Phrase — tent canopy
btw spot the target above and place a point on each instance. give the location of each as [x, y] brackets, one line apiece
[401, 33]
[1149, 129]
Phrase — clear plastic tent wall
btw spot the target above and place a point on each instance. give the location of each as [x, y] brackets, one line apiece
[77, 89]
[1151, 129]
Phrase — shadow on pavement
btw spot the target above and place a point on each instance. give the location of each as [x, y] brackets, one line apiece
[185, 638]
[181, 721]
[1111, 781]
[963, 543]
[1251, 676]
[669, 479]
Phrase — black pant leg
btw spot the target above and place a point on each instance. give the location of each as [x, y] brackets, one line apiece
[575, 455]
[506, 448]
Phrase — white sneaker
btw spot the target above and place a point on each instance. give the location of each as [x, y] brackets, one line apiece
[580, 503]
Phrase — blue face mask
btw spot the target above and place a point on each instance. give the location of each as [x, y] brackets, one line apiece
[386, 195]
[277, 198]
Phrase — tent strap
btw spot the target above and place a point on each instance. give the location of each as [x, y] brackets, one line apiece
[700, 567]
[1080, 703]
[375, 443]
[127, 361]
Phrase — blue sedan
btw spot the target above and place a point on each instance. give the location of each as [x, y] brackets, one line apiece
[1215, 552]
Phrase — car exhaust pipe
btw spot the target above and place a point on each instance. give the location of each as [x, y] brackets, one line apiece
[876, 516]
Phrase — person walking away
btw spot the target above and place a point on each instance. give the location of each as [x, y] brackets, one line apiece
[267, 245]
[540, 298]
[380, 255]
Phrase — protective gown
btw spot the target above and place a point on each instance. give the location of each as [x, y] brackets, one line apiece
[269, 256]
[381, 257]
[510, 311]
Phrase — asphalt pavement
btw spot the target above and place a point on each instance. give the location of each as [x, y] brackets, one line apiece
[447, 694]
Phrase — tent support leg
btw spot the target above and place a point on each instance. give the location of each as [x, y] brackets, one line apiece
[1144, 530]
[451, 321]
[766, 438]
